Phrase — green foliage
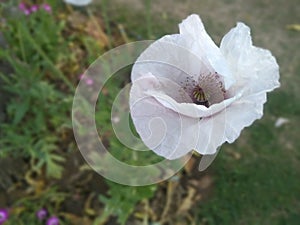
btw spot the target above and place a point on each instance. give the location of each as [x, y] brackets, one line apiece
[36, 110]
[38, 103]
[123, 200]
[24, 211]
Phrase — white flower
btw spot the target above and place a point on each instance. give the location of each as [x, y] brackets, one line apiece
[188, 94]
[78, 2]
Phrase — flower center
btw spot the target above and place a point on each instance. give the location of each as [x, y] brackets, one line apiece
[199, 97]
[207, 90]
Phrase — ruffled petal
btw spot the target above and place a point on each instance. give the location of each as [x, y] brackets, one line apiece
[190, 53]
[204, 47]
[255, 69]
[170, 57]
[227, 125]
[242, 114]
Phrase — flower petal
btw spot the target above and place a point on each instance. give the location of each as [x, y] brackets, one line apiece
[227, 125]
[78, 2]
[254, 68]
[170, 57]
[204, 47]
[191, 109]
[168, 94]
[166, 132]
[212, 134]
[242, 114]
[190, 53]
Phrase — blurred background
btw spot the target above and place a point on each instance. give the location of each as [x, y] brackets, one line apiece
[45, 48]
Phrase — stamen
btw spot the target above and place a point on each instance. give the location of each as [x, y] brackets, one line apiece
[208, 90]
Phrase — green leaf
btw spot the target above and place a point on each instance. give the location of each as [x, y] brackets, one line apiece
[19, 110]
[53, 168]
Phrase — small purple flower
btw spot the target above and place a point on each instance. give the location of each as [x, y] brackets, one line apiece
[27, 12]
[41, 214]
[87, 80]
[3, 216]
[53, 220]
[24, 9]
[34, 8]
[47, 7]
[22, 6]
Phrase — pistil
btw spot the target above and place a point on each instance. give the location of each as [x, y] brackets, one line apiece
[199, 97]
